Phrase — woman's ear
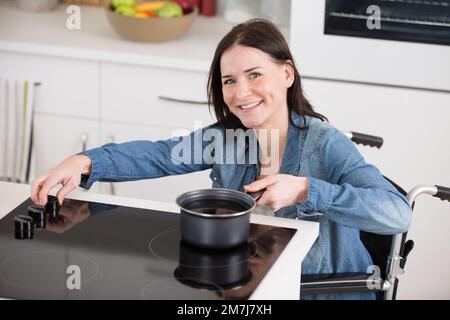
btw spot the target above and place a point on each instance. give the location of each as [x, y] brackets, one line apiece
[289, 73]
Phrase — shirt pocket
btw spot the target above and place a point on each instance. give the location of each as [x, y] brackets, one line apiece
[214, 175]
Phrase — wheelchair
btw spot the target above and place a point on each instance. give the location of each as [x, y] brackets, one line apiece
[388, 252]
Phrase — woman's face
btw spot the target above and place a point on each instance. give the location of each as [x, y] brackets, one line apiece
[254, 86]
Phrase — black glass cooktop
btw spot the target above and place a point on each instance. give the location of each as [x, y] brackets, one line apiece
[99, 251]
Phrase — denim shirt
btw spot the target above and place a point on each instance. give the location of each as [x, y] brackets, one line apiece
[345, 193]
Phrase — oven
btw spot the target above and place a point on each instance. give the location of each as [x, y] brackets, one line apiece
[402, 43]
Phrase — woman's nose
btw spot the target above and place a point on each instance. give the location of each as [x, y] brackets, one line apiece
[243, 90]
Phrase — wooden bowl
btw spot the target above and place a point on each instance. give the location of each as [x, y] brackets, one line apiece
[150, 29]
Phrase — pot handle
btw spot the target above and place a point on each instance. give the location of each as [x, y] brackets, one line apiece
[257, 194]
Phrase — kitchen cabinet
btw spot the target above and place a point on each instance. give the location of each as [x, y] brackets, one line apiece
[164, 189]
[412, 123]
[81, 104]
[65, 108]
[75, 96]
[155, 96]
[152, 103]
[57, 137]
[68, 87]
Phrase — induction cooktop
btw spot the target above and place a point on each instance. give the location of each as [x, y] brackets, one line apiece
[90, 250]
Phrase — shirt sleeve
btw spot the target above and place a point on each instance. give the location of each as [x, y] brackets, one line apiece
[136, 160]
[355, 193]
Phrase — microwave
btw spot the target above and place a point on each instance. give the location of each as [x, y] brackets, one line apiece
[403, 43]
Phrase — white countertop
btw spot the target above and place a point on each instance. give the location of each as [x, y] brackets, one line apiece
[47, 34]
[281, 282]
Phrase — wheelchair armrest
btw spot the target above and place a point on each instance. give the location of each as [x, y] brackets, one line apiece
[339, 283]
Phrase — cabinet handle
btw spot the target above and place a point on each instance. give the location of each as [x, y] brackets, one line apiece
[84, 138]
[182, 100]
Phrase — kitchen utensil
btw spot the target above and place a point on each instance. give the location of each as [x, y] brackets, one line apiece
[215, 218]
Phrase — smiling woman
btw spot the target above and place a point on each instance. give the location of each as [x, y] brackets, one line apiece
[253, 63]
[314, 172]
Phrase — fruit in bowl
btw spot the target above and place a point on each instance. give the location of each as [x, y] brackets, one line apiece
[162, 9]
[170, 10]
[151, 21]
[186, 5]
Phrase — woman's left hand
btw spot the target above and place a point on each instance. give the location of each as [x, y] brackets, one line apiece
[282, 190]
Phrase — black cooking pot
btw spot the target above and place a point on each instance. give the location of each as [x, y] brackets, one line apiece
[210, 268]
[215, 218]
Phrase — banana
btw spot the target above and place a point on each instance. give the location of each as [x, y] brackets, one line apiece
[149, 6]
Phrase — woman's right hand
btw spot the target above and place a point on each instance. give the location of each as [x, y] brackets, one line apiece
[68, 173]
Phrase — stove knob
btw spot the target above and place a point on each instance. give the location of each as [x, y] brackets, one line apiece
[23, 227]
[38, 215]
[52, 207]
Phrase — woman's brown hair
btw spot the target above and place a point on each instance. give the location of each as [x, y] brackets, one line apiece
[265, 36]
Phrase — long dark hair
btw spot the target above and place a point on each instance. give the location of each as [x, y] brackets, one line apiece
[265, 36]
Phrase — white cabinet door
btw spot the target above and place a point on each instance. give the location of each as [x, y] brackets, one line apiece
[56, 137]
[68, 87]
[135, 94]
[413, 123]
[164, 189]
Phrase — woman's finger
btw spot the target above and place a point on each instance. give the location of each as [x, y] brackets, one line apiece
[265, 199]
[261, 184]
[36, 187]
[45, 189]
[67, 187]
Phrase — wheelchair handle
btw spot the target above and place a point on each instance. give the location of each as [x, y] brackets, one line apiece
[365, 139]
[440, 192]
[443, 193]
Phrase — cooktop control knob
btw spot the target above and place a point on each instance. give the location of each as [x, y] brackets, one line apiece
[38, 215]
[52, 207]
[23, 227]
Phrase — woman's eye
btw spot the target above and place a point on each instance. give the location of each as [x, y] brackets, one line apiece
[254, 75]
[229, 81]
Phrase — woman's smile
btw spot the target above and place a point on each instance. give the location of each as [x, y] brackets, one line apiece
[248, 107]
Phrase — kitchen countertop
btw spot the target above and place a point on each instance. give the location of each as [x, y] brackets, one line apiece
[281, 282]
[47, 34]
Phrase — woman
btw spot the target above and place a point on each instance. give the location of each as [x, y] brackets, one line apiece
[307, 168]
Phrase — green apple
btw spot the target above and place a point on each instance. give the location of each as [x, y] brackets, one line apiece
[120, 3]
[170, 10]
[125, 10]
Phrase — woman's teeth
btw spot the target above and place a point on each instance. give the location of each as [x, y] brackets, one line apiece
[251, 105]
